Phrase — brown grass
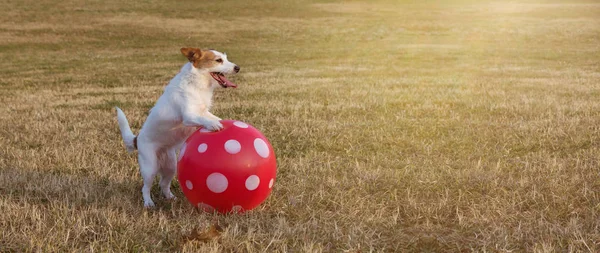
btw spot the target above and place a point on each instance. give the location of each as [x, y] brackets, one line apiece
[398, 125]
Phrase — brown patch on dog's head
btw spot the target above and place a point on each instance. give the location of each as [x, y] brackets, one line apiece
[199, 58]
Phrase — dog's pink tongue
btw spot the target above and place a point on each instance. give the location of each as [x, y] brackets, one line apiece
[228, 83]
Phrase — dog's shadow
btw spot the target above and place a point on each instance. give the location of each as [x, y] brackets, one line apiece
[57, 190]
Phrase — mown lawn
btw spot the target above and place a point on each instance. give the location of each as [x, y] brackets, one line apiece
[399, 126]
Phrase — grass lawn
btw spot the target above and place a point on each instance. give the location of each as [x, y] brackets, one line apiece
[399, 126]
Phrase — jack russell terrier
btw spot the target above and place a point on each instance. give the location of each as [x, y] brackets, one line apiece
[181, 109]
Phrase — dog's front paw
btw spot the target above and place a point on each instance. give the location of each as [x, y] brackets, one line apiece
[213, 126]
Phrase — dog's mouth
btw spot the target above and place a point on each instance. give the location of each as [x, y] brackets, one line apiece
[222, 80]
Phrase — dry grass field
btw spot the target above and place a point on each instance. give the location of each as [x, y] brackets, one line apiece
[399, 126]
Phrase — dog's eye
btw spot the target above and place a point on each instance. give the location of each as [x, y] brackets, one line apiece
[219, 60]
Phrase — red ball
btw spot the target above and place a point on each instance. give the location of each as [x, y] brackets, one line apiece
[231, 170]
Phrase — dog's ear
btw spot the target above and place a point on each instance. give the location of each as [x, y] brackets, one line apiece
[191, 53]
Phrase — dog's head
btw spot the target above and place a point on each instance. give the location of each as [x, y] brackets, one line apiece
[213, 62]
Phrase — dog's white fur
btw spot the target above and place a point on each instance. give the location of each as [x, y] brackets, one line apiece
[180, 110]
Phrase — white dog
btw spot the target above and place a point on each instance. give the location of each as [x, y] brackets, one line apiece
[182, 108]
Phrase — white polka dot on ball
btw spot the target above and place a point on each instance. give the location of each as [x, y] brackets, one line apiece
[233, 147]
[261, 148]
[205, 207]
[252, 182]
[240, 124]
[204, 130]
[217, 182]
[271, 183]
[202, 147]
[182, 151]
[189, 185]
[236, 208]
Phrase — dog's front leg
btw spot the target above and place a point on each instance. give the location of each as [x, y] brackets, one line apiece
[212, 116]
[194, 120]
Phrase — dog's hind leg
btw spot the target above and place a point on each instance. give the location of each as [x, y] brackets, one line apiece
[168, 167]
[147, 157]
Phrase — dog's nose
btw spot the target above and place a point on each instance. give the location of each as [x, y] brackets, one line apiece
[236, 68]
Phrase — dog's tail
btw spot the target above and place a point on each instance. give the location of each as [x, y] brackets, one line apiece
[128, 136]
